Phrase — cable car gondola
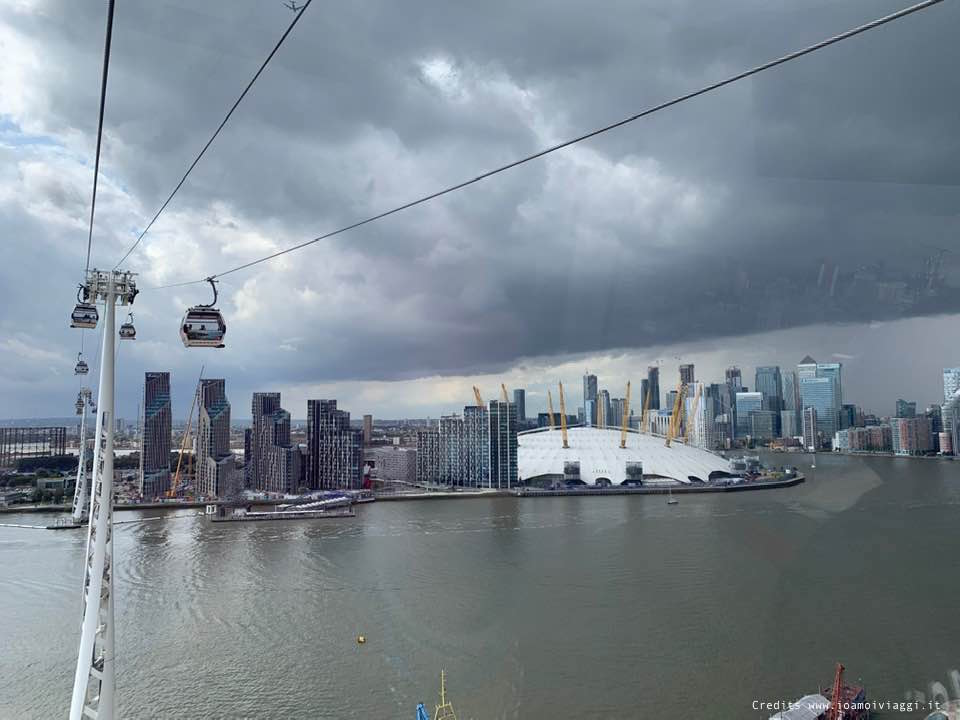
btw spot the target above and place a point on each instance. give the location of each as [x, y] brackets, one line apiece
[84, 315]
[81, 368]
[79, 405]
[203, 325]
[127, 330]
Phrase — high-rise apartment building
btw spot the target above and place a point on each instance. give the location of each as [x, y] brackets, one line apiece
[520, 400]
[156, 424]
[367, 429]
[911, 435]
[214, 461]
[502, 417]
[428, 455]
[905, 409]
[653, 387]
[686, 374]
[335, 449]
[451, 450]
[476, 446]
[263, 406]
[275, 464]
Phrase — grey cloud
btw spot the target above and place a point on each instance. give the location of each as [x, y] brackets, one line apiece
[847, 159]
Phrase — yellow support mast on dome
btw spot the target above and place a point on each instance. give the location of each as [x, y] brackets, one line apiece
[563, 418]
[626, 417]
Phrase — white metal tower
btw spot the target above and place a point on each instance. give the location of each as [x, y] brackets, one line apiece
[93, 683]
[80, 487]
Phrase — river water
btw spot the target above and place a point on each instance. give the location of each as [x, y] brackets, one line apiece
[537, 608]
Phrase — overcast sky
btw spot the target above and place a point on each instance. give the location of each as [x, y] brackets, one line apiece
[787, 215]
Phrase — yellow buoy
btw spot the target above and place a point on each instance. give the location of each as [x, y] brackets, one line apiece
[361, 639]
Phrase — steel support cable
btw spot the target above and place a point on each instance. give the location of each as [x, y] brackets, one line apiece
[216, 132]
[580, 138]
[103, 101]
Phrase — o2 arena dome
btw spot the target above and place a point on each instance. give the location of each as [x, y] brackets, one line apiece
[594, 457]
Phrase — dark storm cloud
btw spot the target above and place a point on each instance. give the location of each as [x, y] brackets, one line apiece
[815, 193]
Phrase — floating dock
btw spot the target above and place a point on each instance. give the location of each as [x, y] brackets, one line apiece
[242, 515]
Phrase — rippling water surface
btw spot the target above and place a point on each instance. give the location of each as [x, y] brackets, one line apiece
[538, 608]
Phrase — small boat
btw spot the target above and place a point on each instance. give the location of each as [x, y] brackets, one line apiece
[671, 500]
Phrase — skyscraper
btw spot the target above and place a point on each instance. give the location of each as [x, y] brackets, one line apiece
[768, 383]
[367, 429]
[335, 450]
[734, 379]
[951, 383]
[157, 428]
[603, 408]
[520, 400]
[686, 374]
[746, 403]
[653, 387]
[791, 404]
[502, 432]
[214, 461]
[589, 393]
[821, 387]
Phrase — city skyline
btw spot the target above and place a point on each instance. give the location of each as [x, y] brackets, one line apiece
[433, 397]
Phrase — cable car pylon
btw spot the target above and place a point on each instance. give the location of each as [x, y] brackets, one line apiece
[79, 511]
[94, 680]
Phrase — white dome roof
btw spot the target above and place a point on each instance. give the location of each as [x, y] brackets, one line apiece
[598, 451]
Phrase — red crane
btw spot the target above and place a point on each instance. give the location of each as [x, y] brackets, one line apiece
[836, 699]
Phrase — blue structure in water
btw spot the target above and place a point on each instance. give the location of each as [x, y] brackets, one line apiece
[422, 713]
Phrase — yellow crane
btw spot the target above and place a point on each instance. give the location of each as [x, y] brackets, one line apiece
[553, 425]
[476, 394]
[645, 412]
[692, 418]
[503, 388]
[626, 417]
[563, 418]
[674, 426]
[175, 485]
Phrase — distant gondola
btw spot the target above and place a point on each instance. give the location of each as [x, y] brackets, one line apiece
[81, 367]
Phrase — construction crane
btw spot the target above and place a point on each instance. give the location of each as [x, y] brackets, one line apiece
[553, 425]
[692, 418]
[674, 426]
[626, 417]
[503, 389]
[175, 485]
[835, 711]
[476, 394]
[563, 418]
